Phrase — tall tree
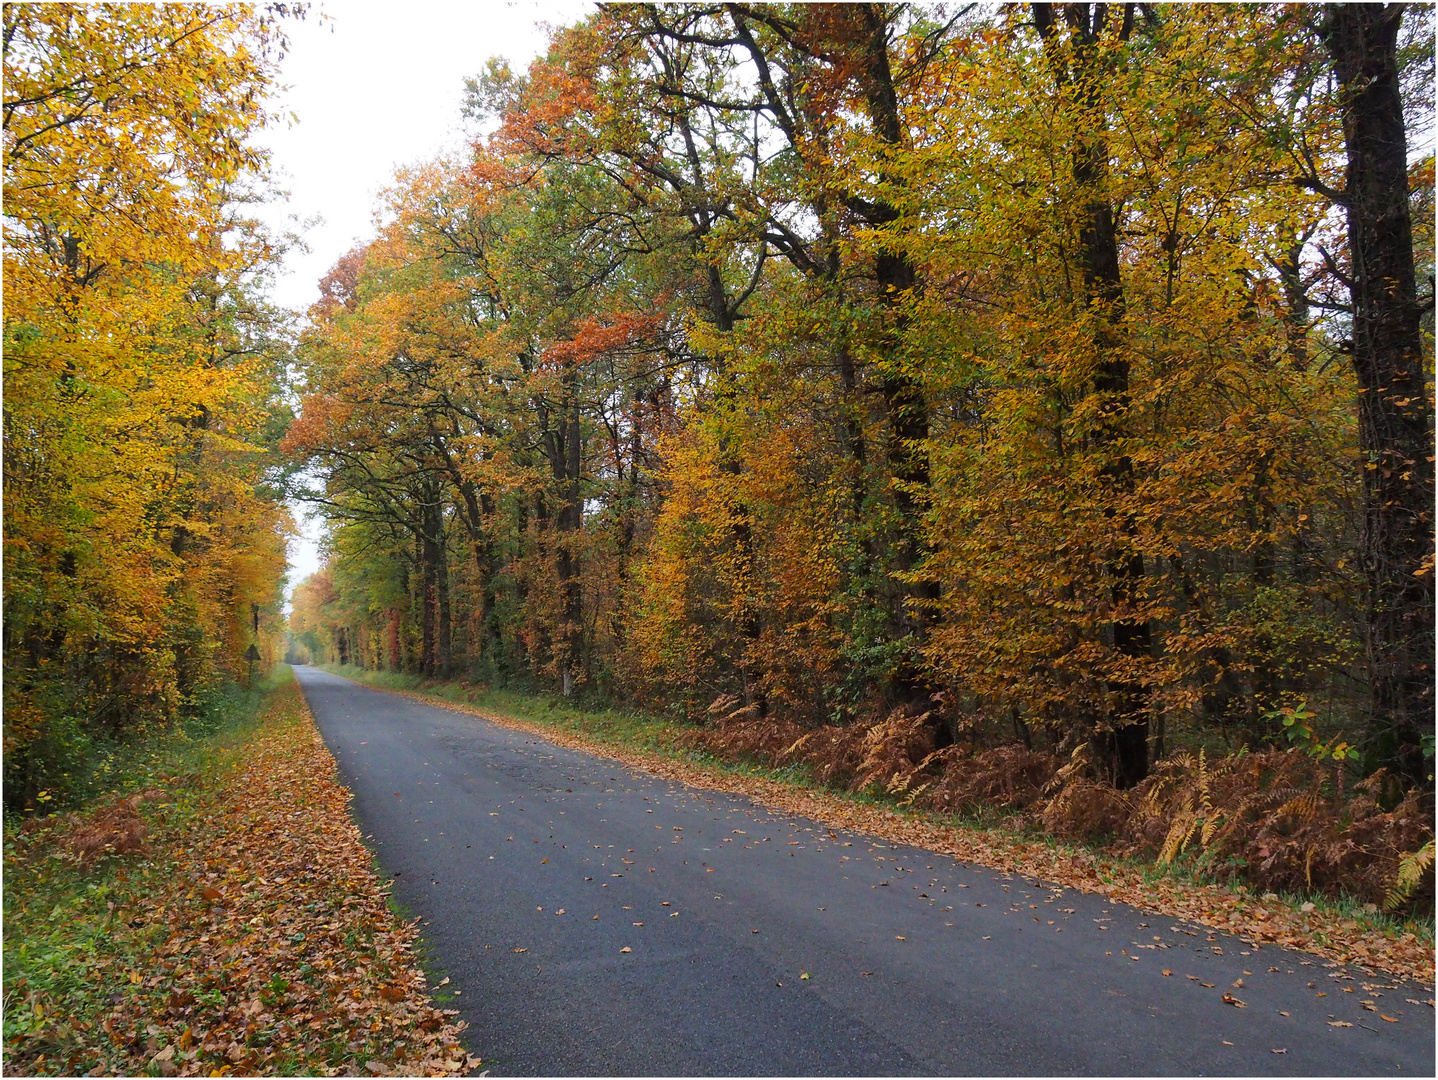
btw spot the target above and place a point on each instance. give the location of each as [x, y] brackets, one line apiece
[143, 371]
[1084, 56]
[1395, 412]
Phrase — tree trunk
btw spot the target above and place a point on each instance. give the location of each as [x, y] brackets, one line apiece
[436, 570]
[476, 509]
[565, 452]
[1395, 421]
[393, 640]
[426, 602]
[905, 452]
[1077, 66]
[571, 519]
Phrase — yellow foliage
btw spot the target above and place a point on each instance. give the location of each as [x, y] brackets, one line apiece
[141, 378]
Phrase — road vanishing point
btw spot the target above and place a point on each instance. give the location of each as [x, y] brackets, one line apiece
[595, 920]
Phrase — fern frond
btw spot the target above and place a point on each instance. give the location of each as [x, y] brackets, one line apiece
[1304, 807]
[1411, 869]
[1179, 834]
[1210, 826]
[800, 741]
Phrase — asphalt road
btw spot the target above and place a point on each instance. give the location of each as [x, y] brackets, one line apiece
[597, 921]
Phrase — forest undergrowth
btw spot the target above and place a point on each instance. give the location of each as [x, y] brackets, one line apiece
[1029, 817]
[215, 914]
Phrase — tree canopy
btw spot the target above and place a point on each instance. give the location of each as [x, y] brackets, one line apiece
[1015, 371]
[144, 373]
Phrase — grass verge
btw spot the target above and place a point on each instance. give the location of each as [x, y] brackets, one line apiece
[1340, 930]
[244, 932]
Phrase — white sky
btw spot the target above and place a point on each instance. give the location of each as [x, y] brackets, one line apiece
[376, 85]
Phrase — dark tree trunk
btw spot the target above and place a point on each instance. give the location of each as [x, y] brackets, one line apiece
[1395, 422]
[490, 639]
[1074, 57]
[476, 510]
[444, 630]
[426, 602]
[436, 578]
[563, 447]
[570, 520]
[906, 456]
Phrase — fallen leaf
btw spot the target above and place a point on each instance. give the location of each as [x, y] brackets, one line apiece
[626, 949]
[521, 950]
[1229, 999]
[1339, 1023]
[1284, 1050]
[1390, 1019]
[1202, 983]
[1168, 971]
[805, 975]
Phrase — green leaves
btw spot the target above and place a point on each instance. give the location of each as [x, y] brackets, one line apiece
[1299, 727]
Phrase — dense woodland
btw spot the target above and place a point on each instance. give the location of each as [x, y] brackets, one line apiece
[1025, 406]
[144, 513]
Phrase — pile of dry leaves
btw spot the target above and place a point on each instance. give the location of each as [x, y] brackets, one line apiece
[268, 943]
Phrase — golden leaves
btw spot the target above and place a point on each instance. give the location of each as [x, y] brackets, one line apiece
[140, 374]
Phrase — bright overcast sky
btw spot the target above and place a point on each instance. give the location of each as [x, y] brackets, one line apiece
[377, 85]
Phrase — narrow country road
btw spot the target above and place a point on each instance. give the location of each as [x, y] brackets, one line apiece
[598, 921]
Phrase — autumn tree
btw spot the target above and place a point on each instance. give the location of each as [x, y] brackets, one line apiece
[143, 373]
